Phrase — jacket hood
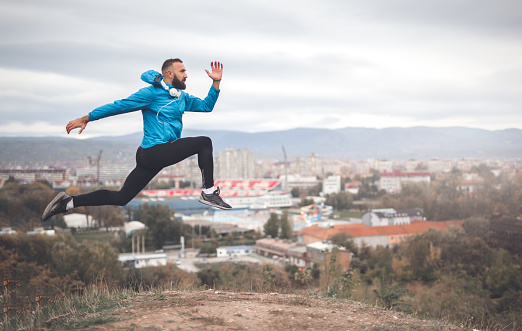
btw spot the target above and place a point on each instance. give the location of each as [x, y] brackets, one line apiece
[152, 77]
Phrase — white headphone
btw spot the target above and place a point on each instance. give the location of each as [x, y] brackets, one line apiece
[174, 92]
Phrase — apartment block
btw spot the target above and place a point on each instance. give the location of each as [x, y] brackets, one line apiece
[392, 181]
[235, 164]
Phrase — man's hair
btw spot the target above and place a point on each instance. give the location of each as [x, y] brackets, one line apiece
[166, 65]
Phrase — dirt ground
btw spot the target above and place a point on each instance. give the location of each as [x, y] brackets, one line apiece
[213, 310]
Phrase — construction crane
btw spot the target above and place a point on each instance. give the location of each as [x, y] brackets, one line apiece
[98, 159]
[285, 187]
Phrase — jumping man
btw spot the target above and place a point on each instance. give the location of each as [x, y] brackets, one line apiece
[162, 105]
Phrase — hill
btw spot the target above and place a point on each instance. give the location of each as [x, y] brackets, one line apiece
[348, 143]
[214, 310]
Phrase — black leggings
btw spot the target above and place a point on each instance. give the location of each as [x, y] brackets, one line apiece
[149, 162]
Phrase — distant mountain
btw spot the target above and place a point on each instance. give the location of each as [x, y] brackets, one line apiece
[348, 143]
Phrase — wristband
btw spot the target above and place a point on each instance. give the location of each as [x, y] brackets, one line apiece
[216, 80]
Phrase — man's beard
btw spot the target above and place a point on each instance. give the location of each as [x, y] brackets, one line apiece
[178, 84]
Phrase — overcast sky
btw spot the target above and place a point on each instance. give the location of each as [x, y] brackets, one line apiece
[287, 64]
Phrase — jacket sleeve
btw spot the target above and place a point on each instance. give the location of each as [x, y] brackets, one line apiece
[139, 100]
[206, 105]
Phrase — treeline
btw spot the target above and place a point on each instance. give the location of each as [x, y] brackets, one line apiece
[22, 205]
[449, 198]
[446, 197]
[461, 275]
[39, 266]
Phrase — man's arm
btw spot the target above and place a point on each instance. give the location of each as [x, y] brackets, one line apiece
[216, 74]
[136, 101]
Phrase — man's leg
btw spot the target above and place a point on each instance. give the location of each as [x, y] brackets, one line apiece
[135, 182]
[183, 148]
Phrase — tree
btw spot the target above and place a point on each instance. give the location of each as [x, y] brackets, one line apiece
[344, 239]
[477, 227]
[286, 227]
[271, 226]
[160, 227]
[340, 201]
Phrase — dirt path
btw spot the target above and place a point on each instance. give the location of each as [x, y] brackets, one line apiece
[211, 310]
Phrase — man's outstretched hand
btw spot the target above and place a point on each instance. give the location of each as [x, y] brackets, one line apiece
[77, 123]
[217, 70]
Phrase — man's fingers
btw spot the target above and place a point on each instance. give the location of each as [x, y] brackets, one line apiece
[216, 65]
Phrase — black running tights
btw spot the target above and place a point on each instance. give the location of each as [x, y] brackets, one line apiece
[150, 161]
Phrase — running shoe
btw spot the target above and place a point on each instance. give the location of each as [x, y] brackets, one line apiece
[214, 200]
[57, 206]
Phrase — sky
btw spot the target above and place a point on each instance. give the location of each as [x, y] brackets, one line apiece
[287, 64]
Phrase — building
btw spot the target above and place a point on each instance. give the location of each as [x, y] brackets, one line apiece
[299, 254]
[78, 221]
[238, 164]
[233, 251]
[106, 173]
[437, 165]
[381, 165]
[296, 180]
[32, 175]
[392, 181]
[42, 232]
[7, 230]
[390, 216]
[142, 260]
[319, 252]
[332, 184]
[373, 236]
[353, 187]
[272, 247]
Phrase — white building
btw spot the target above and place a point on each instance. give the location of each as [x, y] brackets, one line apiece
[78, 221]
[233, 251]
[41, 231]
[138, 261]
[381, 165]
[436, 165]
[296, 180]
[390, 216]
[362, 168]
[332, 184]
[31, 175]
[392, 181]
[106, 172]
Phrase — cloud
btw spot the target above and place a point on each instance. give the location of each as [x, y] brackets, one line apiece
[287, 64]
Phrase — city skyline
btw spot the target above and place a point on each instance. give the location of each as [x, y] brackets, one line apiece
[374, 64]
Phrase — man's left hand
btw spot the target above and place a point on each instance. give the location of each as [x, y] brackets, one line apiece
[217, 71]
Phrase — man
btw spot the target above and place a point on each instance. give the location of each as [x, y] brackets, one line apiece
[162, 105]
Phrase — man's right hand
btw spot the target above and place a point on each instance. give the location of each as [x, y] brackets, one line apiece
[77, 123]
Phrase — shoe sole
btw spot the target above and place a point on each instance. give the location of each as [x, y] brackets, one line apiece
[48, 208]
[205, 202]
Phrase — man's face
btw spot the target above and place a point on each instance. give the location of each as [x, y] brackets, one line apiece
[179, 75]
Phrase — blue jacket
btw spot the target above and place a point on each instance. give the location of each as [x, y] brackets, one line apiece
[162, 114]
